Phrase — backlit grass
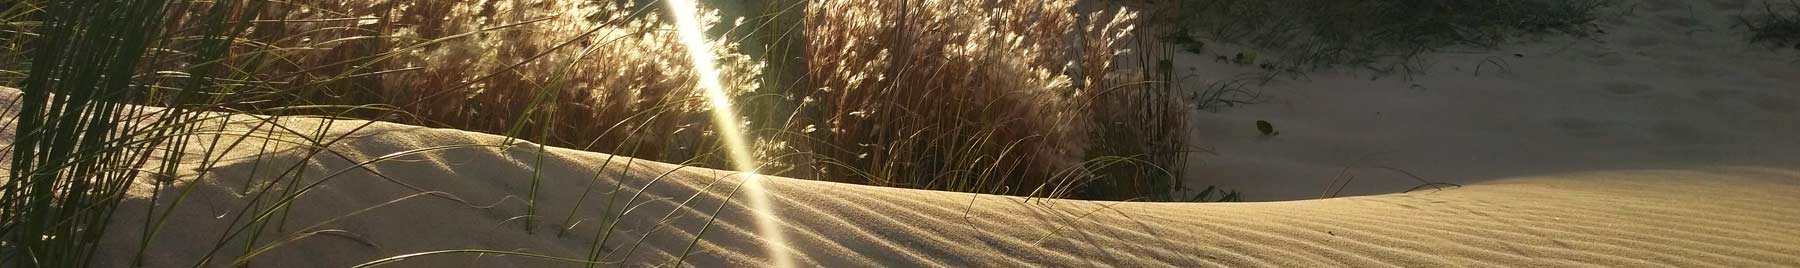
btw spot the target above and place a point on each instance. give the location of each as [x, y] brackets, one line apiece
[1032, 98]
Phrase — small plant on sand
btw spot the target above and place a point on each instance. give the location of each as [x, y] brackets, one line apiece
[1778, 24]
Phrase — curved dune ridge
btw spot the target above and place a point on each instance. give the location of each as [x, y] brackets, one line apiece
[474, 198]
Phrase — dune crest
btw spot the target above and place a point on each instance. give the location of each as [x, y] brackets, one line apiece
[470, 197]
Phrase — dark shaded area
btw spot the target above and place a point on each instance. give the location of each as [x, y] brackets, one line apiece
[1778, 24]
[1378, 35]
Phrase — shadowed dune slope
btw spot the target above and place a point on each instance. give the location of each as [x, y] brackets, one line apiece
[1668, 84]
[474, 198]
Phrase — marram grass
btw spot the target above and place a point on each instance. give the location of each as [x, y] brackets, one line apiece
[1002, 104]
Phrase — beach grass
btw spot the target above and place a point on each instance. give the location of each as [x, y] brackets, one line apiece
[1002, 105]
[71, 160]
[119, 95]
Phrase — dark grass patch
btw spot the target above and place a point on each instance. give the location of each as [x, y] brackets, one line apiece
[1778, 25]
[1379, 35]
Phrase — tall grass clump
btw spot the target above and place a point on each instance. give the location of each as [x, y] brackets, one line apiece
[1378, 35]
[1140, 148]
[607, 76]
[79, 148]
[976, 96]
[1036, 98]
[590, 75]
[1008, 97]
[76, 151]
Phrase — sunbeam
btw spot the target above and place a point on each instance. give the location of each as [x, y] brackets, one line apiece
[725, 117]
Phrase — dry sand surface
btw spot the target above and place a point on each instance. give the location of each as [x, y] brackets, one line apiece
[1692, 217]
[1670, 84]
[1656, 148]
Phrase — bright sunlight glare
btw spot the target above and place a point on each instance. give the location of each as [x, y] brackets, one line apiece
[688, 25]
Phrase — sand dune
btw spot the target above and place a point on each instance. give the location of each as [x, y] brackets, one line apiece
[1670, 84]
[1650, 148]
[1718, 217]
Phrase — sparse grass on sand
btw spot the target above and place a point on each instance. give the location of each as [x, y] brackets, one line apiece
[1382, 36]
[1777, 24]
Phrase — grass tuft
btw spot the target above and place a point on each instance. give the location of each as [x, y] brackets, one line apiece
[1778, 24]
[74, 153]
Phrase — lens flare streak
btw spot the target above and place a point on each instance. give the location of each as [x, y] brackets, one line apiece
[725, 117]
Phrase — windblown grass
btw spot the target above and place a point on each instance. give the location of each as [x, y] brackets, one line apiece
[954, 95]
[575, 74]
[933, 95]
[79, 148]
[75, 153]
[1028, 98]
[1034, 98]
